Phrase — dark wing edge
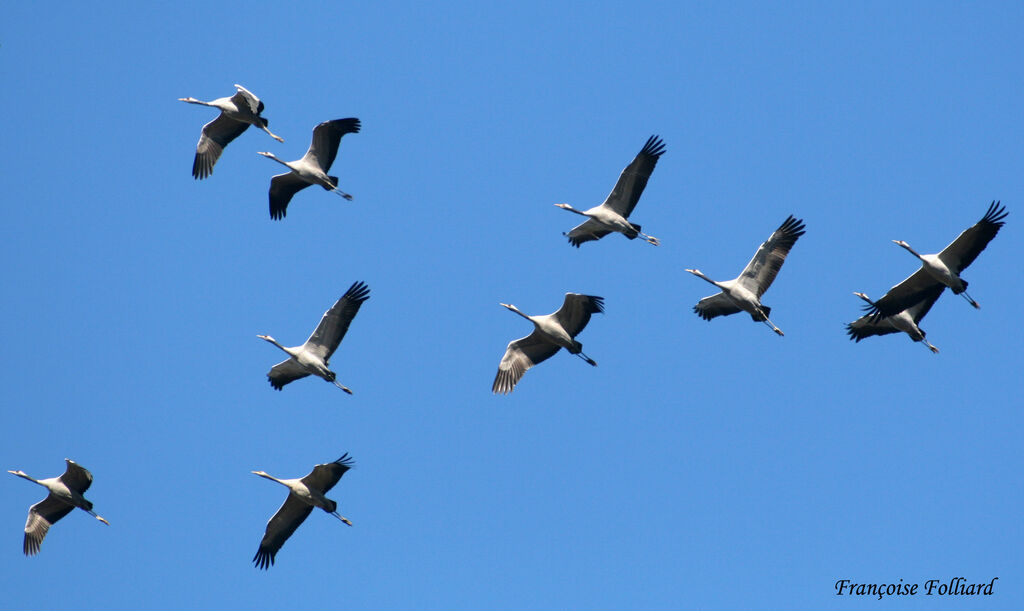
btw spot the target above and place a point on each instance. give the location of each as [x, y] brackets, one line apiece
[283, 188]
[975, 238]
[217, 134]
[576, 311]
[326, 475]
[41, 517]
[327, 137]
[633, 179]
[715, 305]
[772, 253]
[284, 373]
[281, 526]
[517, 361]
[335, 322]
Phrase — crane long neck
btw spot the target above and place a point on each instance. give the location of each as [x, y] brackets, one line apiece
[700, 274]
[911, 250]
[519, 312]
[277, 159]
[25, 476]
[270, 477]
[865, 298]
[276, 343]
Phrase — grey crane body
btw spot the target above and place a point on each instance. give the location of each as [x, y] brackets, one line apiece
[551, 332]
[304, 494]
[744, 292]
[65, 493]
[613, 214]
[313, 357]
[237, 113]
[944, 268]
[312, 168]
[905, 321]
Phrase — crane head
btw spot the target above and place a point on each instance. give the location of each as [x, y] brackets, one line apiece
[266, 338]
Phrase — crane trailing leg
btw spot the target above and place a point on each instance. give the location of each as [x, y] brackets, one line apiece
[341, 517]
[650, 239]
[586, 358]
[970, 300]
[334, 188]
[770, 324]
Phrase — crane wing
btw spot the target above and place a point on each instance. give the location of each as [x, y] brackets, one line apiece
[285, 372]
[76, 477]
[333, 326]
[633, 179]
[326, 138]
[866, 326]
[282, 188]
[928, 299]
[715, 305]
[291, 514]
[759, 274]
[586, 231]
[969, 244]
[41, 516]
[324, 477]
[915, 288]
[216, 135]
[244, 97]
[520, 355]
[576, 310]
[916, 294]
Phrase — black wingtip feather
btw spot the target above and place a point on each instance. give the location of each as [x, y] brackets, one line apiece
[655, 147]
[359, 292]
[995, 215]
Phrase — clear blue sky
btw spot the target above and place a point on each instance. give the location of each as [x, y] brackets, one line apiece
[702, 464]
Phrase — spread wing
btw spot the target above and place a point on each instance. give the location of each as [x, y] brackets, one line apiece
[245, 98]
[41, 516]
[324, 477]
[969, 244]
[282, 188]
[916, 294]
[291, 514]
[759, 274]
[520, 355]
[216, 135]
[326, 138]
[76, 477]
[633, 179]
[576, 310]
[586, 231]
[865, 326]
[907, 293]
[874, 323]
[285, 372]
[334, 324]
[715, 305]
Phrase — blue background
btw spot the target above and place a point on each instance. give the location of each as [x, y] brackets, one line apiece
[702, 464]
